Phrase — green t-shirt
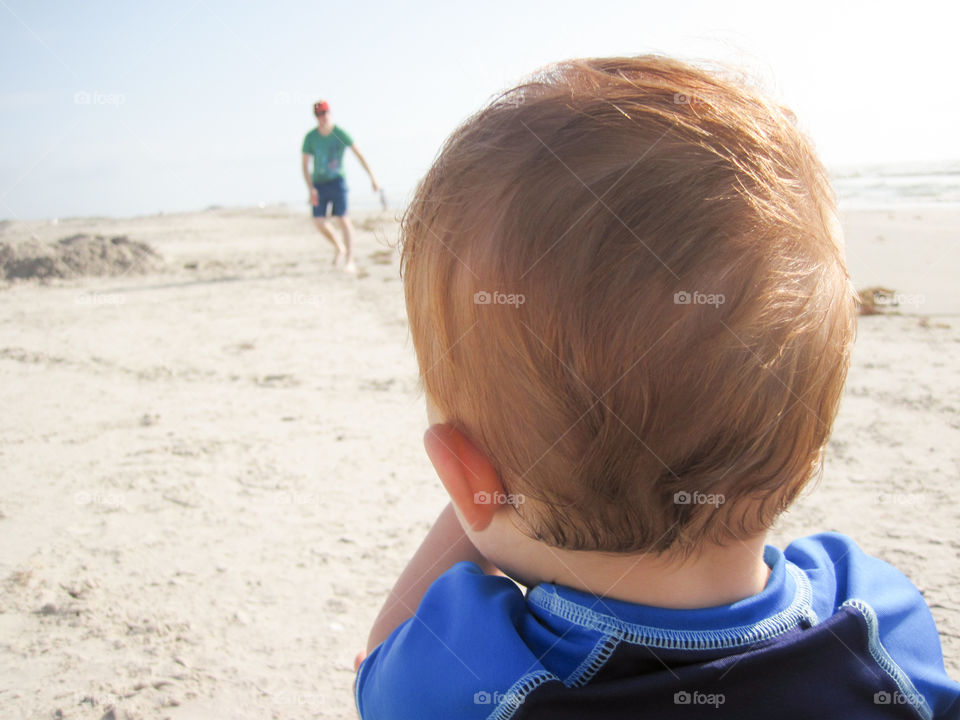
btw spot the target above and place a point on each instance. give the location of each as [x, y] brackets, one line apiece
[327, 152]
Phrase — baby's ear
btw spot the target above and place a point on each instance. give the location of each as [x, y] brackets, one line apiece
[468, 476]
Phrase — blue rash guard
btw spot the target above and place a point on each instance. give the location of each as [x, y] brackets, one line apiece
[834, 634]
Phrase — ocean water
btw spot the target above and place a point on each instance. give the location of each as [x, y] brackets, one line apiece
[873, 186]
[857, 186]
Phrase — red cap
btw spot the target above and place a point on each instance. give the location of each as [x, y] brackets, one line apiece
[322, 105]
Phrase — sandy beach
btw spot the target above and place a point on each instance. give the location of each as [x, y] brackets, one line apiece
[213, 470]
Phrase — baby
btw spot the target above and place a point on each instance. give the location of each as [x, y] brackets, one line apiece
[627, 292]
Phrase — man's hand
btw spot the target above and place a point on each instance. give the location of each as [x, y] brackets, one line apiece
[363, 161]
[314, 197]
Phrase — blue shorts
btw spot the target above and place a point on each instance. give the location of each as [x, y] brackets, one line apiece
[331, 192]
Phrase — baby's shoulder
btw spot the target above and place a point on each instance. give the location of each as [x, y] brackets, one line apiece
[460, 655]
[901, 632]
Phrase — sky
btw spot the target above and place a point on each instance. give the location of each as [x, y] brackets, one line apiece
[130, 108]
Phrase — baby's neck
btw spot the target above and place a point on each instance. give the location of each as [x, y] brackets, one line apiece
[714, 576]
[719, 576]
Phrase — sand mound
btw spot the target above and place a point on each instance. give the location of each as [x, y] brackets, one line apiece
[76, 256]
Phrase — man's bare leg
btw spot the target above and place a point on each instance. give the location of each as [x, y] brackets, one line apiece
[324, 227]
[347, 228]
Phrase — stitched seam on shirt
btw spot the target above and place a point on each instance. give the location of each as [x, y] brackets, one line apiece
[514, 697]
[882, 657]
[799, 610]
[593, 662]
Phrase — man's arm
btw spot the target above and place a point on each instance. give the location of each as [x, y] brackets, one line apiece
[308, 178]
[444, 546]
[363, 161]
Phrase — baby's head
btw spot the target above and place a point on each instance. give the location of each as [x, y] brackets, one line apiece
[626, 286]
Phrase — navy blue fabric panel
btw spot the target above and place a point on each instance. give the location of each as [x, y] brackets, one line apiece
[821, 672]
[841, 571]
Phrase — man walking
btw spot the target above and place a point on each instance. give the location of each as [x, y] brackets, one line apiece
[325, 145]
